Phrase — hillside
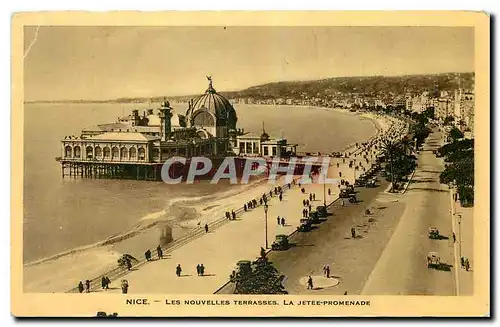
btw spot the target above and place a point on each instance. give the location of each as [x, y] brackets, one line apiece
[373, 85]
[368, 86]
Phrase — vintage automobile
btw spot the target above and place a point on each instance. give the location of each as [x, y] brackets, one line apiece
[344, 193]
[433, 260]
[352, 198]
[433, 233]
[280, 243]
[360, 182]
[305, 225]
[314, 217]
[321, 211]
[371, 183]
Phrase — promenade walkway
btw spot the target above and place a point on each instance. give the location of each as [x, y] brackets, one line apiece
[219, 250]
[464, 246]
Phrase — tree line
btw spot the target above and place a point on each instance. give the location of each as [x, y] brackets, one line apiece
[459, 158]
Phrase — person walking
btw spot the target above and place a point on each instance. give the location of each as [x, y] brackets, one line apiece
[147, 254]
[454, 238]
[310, 283]
[233, 214]
[324, 270]
[281, 196]
[329, 192]
[245, 207]
[353, 232]
[327, 271]
[206, 228]
[124, 286]
[108, 282]
[462, 262]
[80, 287]
[278, 220]
[283, 221]
[103, 282]
[178, 270]
[160, 252]
[87, 285]
[198, 269]
[467, 264]
[314, 196]
[202, 270]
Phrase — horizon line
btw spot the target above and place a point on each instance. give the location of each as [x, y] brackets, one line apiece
[239, 90]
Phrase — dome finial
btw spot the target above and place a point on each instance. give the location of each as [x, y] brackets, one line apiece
[210, 86]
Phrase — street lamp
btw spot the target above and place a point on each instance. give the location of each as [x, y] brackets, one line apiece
[266, 208]
[324, 187]
[324, 194]
[459, 220]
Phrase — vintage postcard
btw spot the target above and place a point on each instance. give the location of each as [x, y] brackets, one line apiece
[250, 164]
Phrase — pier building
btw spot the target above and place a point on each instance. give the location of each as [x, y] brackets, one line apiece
[136, 146]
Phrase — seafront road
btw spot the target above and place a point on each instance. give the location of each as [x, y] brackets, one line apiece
[401, 269]
[350, 260]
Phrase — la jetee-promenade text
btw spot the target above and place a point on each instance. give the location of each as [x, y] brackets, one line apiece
[268, 302]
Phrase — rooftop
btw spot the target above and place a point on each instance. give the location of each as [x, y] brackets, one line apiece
[251, 135]
[120, 127]
[124, 136]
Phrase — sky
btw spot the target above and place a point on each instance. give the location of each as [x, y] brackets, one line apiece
[108, 62]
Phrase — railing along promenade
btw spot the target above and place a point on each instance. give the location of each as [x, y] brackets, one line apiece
[121, 271]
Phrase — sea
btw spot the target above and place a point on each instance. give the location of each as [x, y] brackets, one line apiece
[61, 214]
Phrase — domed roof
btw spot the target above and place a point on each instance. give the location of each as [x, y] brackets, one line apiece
[215, 104]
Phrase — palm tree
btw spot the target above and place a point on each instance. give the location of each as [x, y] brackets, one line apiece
[405, 142]
[390, 150]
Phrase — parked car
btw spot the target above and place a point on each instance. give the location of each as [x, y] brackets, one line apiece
[280, 243]
[305, 225]
[433, 233]
[433, 260]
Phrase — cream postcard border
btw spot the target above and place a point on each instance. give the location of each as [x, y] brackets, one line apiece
[73, 305]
